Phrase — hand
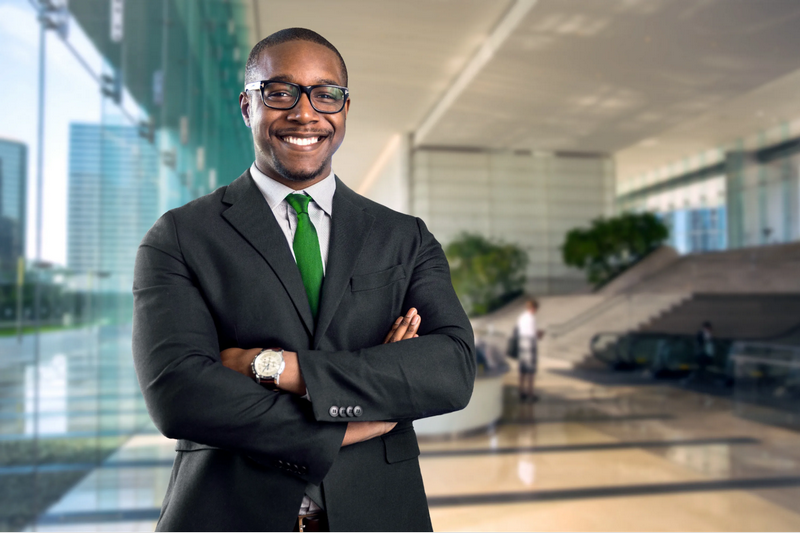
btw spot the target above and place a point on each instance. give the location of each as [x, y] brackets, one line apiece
[405, 327]
[361, 431]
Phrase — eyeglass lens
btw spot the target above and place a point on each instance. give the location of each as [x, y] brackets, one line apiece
[284, 96]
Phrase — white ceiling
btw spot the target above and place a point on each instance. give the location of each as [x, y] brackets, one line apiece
[645, 79]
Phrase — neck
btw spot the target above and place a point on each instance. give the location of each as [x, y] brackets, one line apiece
[292, 184]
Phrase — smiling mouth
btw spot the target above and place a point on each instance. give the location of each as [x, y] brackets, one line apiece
[303, 141]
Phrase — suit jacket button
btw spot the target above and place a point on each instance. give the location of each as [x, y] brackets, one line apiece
[357, 410]
[343, 411]
[350, 411]
[333, 411]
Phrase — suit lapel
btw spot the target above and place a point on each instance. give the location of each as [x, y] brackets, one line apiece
[251, 216]
[350, 226]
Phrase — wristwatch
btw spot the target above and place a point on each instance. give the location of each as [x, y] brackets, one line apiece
[267, 367]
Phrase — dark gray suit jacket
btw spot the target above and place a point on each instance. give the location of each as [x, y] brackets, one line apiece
[218, 273]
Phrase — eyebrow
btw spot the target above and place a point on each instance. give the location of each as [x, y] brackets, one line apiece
[290, 79]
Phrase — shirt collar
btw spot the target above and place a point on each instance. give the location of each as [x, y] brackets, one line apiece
[275, 193]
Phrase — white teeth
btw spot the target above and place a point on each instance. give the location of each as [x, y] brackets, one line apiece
[301, 141]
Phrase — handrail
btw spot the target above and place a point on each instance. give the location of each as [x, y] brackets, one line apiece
[794, 350]
[737, 347]
[559, 330]
[766, 360]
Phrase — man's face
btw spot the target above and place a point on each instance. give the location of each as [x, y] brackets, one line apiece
[276, 132]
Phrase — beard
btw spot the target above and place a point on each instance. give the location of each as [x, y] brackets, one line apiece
[297, 177]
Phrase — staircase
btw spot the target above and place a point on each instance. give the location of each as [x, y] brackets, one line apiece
[623, 312]
[745, 293]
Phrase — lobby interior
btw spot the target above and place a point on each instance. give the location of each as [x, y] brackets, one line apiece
[516, 120]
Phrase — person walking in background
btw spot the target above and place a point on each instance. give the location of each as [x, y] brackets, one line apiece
[527, 339]
[703, 352]
[704, 347]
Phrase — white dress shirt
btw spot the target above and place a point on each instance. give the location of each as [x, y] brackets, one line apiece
[526, 324]
[320, 210]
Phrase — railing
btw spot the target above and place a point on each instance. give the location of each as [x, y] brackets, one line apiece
[767, 382]
[659, 352]
[558, 330]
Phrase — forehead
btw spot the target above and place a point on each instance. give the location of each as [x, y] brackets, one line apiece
[301, 62]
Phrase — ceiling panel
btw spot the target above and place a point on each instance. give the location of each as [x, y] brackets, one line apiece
[602, 75]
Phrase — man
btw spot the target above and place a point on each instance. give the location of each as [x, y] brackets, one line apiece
[703, 353]
[292, 280]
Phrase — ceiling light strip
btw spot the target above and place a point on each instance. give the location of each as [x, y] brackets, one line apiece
[493, 42]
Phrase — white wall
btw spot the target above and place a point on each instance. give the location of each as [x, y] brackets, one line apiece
[389, 186]
[530, 200]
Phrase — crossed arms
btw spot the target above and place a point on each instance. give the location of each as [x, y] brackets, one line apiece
[291, 380]
[191, 395]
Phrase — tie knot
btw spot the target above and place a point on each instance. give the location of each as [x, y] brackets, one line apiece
[299, 202]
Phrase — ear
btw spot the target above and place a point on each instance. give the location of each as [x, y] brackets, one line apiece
[244, 105]
[346, 107]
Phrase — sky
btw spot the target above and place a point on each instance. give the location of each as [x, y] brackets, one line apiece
[71, 95]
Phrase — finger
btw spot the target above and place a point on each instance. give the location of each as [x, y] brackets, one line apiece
[393, 329]
[404, 324]
[413, 327]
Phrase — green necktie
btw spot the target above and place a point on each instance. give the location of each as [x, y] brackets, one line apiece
[306, 250]
[309, 261]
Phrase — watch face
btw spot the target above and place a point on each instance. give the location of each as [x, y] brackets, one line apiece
[268, 364]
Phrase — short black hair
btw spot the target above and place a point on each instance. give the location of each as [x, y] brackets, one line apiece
[284, 36]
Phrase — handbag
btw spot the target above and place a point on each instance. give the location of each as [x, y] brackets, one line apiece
[512, 350]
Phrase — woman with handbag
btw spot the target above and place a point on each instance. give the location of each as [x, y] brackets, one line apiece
[527, 350]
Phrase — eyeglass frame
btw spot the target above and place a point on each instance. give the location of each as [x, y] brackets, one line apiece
[304, 89]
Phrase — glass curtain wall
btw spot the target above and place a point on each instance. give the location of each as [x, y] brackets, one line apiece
[140, 115]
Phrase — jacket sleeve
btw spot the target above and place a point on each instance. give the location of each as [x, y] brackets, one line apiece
[190, 395]
[415, 378]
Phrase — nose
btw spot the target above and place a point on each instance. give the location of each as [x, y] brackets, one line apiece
[303, 112]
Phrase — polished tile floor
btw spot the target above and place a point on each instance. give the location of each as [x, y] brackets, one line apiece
[586, 456]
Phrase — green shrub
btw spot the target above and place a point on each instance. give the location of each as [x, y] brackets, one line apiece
[485, 274]
[612, 245]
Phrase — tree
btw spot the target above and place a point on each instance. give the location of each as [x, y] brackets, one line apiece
[485, 274]
[612, 245]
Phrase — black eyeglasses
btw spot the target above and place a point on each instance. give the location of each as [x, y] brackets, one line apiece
[328, 99]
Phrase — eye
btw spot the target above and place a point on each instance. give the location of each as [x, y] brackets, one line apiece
[333, 94]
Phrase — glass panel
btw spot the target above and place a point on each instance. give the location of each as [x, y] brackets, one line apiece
[140, 115]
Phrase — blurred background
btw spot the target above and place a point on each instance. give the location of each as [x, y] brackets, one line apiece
[632, 164]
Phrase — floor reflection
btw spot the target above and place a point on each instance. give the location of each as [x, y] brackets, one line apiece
[587, 456]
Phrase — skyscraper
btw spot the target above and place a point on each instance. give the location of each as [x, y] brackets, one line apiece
[113, 197]
[13, 179]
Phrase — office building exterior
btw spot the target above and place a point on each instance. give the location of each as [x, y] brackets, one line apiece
[13, 181]
[113, 197]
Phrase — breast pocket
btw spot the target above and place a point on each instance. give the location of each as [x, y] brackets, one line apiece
[376, 280]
